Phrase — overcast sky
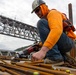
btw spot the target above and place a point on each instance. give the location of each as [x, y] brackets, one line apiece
[21, 10]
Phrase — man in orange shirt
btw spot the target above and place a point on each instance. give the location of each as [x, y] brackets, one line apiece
[55, 41]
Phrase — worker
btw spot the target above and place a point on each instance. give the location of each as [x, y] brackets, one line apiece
[55, 41]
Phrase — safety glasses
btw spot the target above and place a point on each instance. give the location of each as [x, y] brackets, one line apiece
[37, 10]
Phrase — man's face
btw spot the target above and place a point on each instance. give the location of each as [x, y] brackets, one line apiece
[38, 12]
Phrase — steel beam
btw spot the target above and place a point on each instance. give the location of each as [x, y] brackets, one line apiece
[18, 29]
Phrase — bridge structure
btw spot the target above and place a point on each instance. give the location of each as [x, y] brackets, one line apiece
[6, 53]
[18, 29]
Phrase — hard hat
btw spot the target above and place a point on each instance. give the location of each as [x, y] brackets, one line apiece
[36, 3]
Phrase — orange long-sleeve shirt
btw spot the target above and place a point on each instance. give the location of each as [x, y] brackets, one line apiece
[55, 22]
[56, 28]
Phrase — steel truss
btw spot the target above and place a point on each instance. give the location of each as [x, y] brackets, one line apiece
[18, 29]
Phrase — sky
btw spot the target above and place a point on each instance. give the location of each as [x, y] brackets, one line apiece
[21, 10]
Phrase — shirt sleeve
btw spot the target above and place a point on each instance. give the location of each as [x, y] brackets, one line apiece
[56, 28]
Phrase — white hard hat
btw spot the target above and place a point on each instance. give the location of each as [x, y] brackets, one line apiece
[36, 3]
